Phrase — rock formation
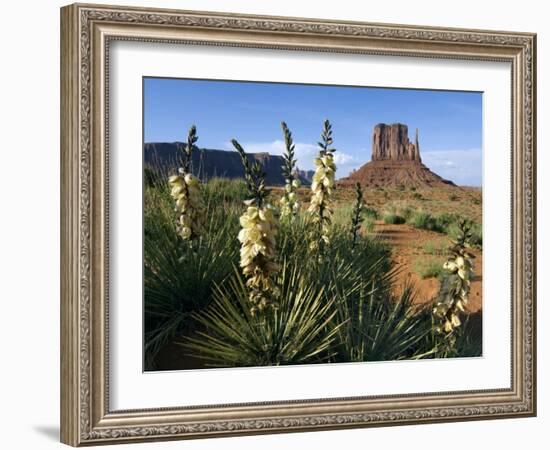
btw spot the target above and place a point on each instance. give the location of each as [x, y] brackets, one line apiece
[163, 157]
[395, 162]
[391, 142]
[306, 175]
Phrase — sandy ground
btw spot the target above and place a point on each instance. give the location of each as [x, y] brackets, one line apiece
[409, 250]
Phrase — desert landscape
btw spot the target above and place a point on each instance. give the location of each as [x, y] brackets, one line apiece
[406, 217]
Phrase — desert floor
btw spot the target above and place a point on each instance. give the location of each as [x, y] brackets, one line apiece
[409, 250]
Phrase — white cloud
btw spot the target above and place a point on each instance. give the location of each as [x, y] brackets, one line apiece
[343, 158]
[463, 167]
[346, 163]
[305, 154]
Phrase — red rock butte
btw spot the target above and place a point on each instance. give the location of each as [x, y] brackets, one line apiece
[395, 162]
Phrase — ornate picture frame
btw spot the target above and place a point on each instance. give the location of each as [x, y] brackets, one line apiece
[87, 31]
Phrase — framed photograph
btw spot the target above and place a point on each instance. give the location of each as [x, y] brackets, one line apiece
[281, 224]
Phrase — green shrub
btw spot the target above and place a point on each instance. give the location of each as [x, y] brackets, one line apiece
[446, 219]
[446, 223]
[398, 208]
[218, 191]
[393, 219]
[435, 248]
[369, 225]
[476, 240]
[341, 216]
[429, 268]
[425, 221]
[370, 213]
[477, 234]
[453, 197]
[417, 196]
[151, 177]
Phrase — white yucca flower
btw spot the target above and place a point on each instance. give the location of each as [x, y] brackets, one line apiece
[257, 238]
[322, 188]
[455, 289]
[320, 207]
[185, 191]
[289, 201]
[259, 225]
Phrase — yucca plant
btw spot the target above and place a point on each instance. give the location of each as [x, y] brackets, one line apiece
[254, 177]
[289, 200]
[455, 289]
[464, 341]
[179, 277]
[377, 325]
[374, 324]
[189, 148]
[322, 188]
[357, 215]
[296, 332]
[292, 240]
[381, 326]
[370, 257]
[185, 190]
[257, 237]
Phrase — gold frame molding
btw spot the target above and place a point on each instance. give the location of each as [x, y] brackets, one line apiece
[86, 31]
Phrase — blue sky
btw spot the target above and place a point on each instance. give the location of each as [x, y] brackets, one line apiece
[449, 122]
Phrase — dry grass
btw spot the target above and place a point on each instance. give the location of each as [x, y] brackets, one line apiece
[463, 201]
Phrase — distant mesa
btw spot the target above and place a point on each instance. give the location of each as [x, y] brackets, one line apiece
[306, 175]
[395, 162]
[165, 157]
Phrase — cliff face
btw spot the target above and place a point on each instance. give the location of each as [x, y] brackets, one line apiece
[391, 142]
[209, 163]
[395, 161]
[307, 175]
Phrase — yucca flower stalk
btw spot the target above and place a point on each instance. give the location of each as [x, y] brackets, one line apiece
[185, 190]
[322, 188]
[289, 200]
[455, 288]
[357, 214]
[257, 237]
[188, 149]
